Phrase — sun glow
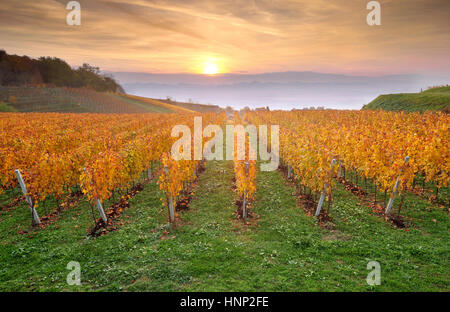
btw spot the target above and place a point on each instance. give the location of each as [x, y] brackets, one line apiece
[210, 69]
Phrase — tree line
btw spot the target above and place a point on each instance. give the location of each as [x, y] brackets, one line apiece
[22, 70]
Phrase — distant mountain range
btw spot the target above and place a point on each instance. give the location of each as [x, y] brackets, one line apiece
[280, 90]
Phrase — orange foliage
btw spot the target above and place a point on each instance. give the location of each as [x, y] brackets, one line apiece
[374, 143]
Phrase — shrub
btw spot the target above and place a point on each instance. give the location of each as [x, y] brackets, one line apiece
[6, 108]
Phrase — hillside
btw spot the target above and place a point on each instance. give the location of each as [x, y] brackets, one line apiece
[49, 84]
[74, 100]
[437, 99]
[82, 100]
[202, 108]
[18, 70]
[154, 102]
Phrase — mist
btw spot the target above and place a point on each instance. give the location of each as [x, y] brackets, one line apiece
[284, 90]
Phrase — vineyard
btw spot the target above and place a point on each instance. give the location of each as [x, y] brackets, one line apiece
[351, 186]
[387, 150]
[99, 154]
[76, 100]
[84, 100]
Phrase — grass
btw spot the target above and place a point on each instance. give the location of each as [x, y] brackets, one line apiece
[210, 250]
[6, 108]
[202, 108]
[149, 107]
[432, 99]
[156, 103]
[415, 259]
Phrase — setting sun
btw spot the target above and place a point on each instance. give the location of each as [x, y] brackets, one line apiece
[210, 69]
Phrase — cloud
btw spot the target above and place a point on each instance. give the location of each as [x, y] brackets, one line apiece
[242, 36]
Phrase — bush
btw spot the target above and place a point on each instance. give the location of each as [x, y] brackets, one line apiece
[6, 108]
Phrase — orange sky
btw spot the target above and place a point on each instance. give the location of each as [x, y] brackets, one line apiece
[239, 36]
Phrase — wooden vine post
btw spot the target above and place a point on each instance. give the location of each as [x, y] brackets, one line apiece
[171, 211]
[339, 174]
[322, 196]
[395, 191]
[100, 210]
[244, 202]
[34, 213]
[149, 172]
[99, 207]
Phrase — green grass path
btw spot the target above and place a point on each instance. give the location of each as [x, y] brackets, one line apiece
[209, 250]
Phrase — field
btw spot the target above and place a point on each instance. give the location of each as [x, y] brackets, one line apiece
[178, 225]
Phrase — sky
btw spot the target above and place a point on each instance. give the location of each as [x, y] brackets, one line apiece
[241, 37]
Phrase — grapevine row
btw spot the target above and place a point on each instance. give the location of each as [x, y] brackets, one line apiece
[99, 153]
[244, 170]
[374, 144]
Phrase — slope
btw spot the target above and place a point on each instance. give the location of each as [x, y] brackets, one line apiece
[437, 99]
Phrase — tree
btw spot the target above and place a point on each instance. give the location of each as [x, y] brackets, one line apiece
[57, 72]
[22, 70]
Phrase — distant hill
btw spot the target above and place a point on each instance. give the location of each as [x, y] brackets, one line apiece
[83, 100]
[435, 99]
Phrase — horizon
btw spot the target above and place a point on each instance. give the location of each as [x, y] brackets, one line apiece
[186, 46]
[278, 90]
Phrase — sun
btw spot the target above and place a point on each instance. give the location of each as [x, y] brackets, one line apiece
[210, 69]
